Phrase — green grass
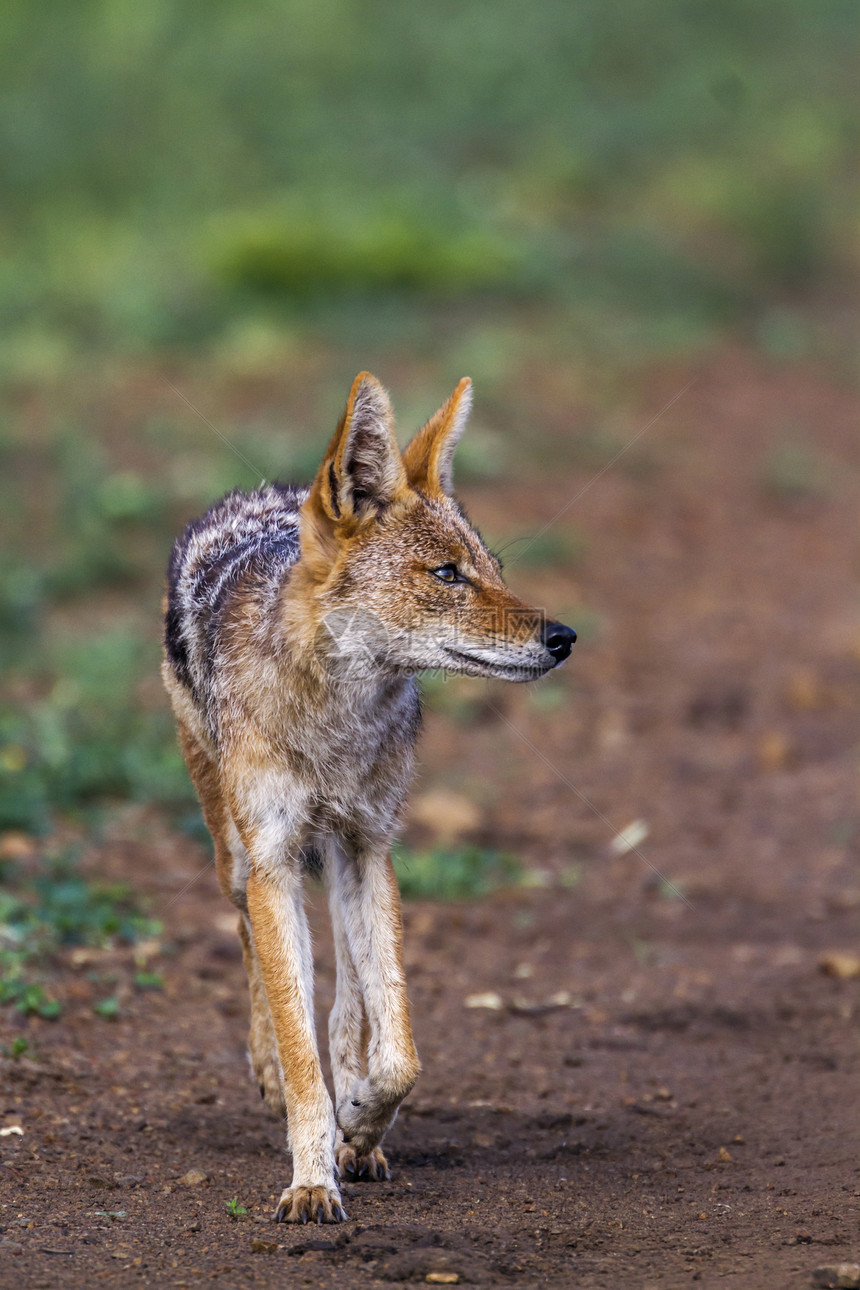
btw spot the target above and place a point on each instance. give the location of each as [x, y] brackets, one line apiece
[463, 874]
[18, 1047]
[75, 728]
[295, 191]
[29, 997]
[107, 1008]
[87, 737]
[302, 254]
[48, 905]
[647, 172]
[149, 981]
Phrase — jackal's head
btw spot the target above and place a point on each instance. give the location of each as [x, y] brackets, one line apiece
[397, 576]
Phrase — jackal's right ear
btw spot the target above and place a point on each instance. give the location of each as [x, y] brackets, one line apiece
[429, 457]
[362, 470]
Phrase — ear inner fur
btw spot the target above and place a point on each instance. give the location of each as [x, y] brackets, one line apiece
[362, 470]
[360, 475]
[429, 457]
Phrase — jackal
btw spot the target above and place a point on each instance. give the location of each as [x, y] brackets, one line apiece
[296, 621]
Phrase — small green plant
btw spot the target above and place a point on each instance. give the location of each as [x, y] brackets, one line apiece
[28, 997]
[18, 1047]
[234, 1209]
[107, 1008]
[149, 981]
[464, 874]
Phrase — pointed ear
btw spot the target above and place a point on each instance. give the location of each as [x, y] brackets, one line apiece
[362, 469]
[429, 457]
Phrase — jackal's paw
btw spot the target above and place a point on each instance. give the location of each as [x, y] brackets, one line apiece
[355, 1168]
[364, 1116]
[310, 1204]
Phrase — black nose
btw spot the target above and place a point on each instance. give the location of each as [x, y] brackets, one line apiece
[559, 640]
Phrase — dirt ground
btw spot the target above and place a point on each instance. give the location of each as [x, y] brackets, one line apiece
[661, 1085]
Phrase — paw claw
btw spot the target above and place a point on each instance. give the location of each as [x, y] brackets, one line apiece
[360, 1168]
[310, 1204]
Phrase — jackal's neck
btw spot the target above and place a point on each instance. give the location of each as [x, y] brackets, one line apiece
[341, 683]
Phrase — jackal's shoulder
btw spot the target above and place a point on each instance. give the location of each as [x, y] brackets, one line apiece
[244, 533]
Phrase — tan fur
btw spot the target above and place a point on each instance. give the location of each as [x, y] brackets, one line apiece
[429, 456]
[262, 1043]
[205, 778]
[295, 623]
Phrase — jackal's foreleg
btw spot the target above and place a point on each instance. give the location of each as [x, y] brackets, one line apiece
[349, 1032]
[347, 1024]
[281, 939]
[366, 908]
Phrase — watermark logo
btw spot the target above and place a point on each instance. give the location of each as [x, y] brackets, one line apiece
[354, 642]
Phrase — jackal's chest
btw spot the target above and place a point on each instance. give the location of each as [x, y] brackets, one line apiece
[352, 763]
[362, 800]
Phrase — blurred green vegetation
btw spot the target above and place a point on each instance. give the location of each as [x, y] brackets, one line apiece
[463, 873]
[651, 169]
[236, 190]
[88, 736]
[48, 904]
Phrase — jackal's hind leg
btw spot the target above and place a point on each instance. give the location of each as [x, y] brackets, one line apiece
[230, 863]
[262, 1045]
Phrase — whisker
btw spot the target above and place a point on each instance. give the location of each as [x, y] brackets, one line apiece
[525, 537]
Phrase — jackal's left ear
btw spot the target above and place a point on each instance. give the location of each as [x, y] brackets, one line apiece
[429, 457]
[362, 470]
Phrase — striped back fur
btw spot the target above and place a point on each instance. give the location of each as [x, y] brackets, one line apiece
[244, 535]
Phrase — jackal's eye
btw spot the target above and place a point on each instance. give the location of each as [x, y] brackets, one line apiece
[448, 573]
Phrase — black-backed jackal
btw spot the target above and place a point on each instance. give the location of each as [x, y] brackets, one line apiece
[296, 621]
